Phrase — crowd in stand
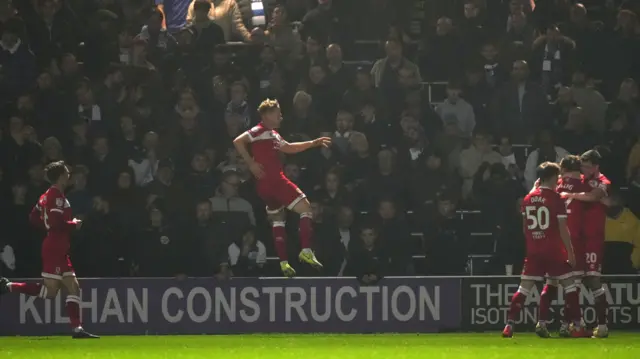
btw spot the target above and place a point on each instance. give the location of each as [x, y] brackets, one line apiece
[142, 99]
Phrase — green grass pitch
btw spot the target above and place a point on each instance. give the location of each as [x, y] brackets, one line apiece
[282, 346]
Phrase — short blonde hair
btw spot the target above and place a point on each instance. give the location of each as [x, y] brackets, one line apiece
[267, 106]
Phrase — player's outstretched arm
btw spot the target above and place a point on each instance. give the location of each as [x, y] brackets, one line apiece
[296, 147]
[594, 196]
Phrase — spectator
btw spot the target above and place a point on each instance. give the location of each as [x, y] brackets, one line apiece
[339, 77]
[442, 52]
[618, 141]
[368, 262]
[446, 241]
[270, 75]
[344, 129]
[520, 106]
[17, 61]
[200, 180]
[477, 92]
[455, 110]
[385, 182]
[396, 238]
[361, 91]
[52, 150]
[102, 235]
[333, 194]
[545, 150]
[166, 193]
[360, 163]
[472, 28]
[577, 137]
[385, 71]
[208, 34]
[590, 100]
[561, 107]
[553, 54]
[247, 258]
[226, 200]
[160, 41]
[160, 251]
[210, 243]
[174, 14]
[145, 162]
[348, 236]
[283, 37]
[627, 102]
[227, 15]
[327, 237]
[103, 166]
[473, 157]
[494, 72]
[327, 23]
[521, 33]
[238, 109]
[303, 122]
[79, 197]
[17, 150]
[428, 180]
[621, 246]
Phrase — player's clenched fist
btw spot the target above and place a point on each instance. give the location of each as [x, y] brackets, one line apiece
[322, 142]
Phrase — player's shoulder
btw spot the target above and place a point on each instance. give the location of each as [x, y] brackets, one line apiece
[257, 130]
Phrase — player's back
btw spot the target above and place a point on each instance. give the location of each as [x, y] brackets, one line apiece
[575, 209]
[541, 209]
[265, 148]
[55, 212]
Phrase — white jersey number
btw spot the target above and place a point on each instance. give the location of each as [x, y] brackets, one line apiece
[538, 218]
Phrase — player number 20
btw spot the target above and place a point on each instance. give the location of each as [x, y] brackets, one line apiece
[538, 218]
[591, 258]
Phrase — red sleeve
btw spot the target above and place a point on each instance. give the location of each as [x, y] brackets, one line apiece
[54, 214]
[35, 216]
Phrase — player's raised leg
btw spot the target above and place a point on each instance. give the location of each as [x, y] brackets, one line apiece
[278, 229]
[73, 302]
[48, 289]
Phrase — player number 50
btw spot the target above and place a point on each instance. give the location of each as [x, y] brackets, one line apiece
[537, 217]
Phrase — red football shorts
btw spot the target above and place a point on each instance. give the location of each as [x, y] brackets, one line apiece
[593, 258]
[56, 264]
[278, 193]
[537, 268]
[578, 250]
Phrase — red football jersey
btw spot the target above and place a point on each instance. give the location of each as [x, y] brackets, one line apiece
[53, 212]
[575, 209]
[265, 148]
[595, 215]
[541, 209]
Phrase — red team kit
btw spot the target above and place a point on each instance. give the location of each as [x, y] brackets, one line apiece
[570, 204]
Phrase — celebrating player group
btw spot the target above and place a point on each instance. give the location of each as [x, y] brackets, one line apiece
[563, 222]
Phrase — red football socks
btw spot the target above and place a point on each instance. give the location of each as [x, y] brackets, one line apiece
[516, 304]
[306, 230]
[73, 310]
[279, 239]
[601, 305]
[548, 293]
[572, 304]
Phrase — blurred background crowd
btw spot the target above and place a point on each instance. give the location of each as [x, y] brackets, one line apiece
[439, 110]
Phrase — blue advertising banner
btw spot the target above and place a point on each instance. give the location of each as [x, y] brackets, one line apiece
[243, 305]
